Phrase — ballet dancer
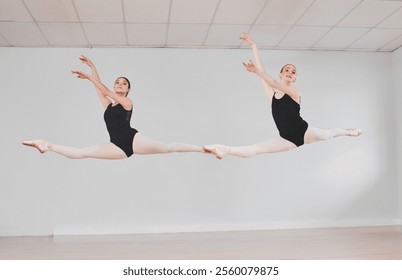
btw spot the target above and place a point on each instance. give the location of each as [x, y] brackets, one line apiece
[285, 103]
[124, 140]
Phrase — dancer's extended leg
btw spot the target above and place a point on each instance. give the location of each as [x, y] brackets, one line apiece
[314, 134]
[145, 146]
[102, 151]
[273, 145]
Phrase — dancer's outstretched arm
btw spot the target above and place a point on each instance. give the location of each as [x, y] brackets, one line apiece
[269, 92]
[291, 91]
[105, 101]
[124, 101]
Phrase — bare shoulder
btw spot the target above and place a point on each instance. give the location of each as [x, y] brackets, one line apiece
[127, 104]
[294, 93]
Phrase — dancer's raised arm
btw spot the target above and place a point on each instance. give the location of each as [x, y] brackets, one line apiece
[269, 92]
[105, 101]
[286, 88]
[103, 90]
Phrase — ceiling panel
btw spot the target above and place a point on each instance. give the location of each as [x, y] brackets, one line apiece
[274, 24]
[393, 21]
[187, 34]
[225, 35]
[370, 13]
[13, 10]
[50, 10]
[268, 35]
[375, 38]
[393, 45]
[146, 34]
[192, 11]
[99, 11]
[150, 11]
[22, 34]
[238, 12]
[311, 35]
[3, 41]
[327, 12]
[285, 12]
[341, 37]
[105, 34]
[64, 34]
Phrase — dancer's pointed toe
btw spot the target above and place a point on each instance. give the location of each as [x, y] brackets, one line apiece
[355, 132]
[29, 143]
[213, 149]
[41, 145]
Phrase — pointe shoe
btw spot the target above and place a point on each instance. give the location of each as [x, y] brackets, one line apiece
[214, 150]
[41, 145]
[355, 132]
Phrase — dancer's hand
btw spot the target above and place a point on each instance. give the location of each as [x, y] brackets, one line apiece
[247, 39]
[86, 61]
[81, 75]
[250, 66]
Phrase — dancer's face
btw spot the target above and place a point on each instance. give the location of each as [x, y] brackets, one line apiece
[121, 86]
[288, 73]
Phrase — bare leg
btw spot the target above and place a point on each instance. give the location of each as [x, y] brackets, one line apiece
[145, 146]
[314, 134]
[274, 145]
[102, 151]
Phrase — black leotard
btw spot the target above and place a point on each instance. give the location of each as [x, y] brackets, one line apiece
[118, 125]
[286, 113]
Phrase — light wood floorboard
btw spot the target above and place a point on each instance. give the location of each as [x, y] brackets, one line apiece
[366, 243]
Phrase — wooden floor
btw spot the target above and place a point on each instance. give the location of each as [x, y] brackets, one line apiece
[365, 243]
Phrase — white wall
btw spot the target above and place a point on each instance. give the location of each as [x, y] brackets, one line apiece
[200, 97]
[397, 74]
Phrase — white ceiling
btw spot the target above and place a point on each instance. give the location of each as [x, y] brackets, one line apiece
[355, 25]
